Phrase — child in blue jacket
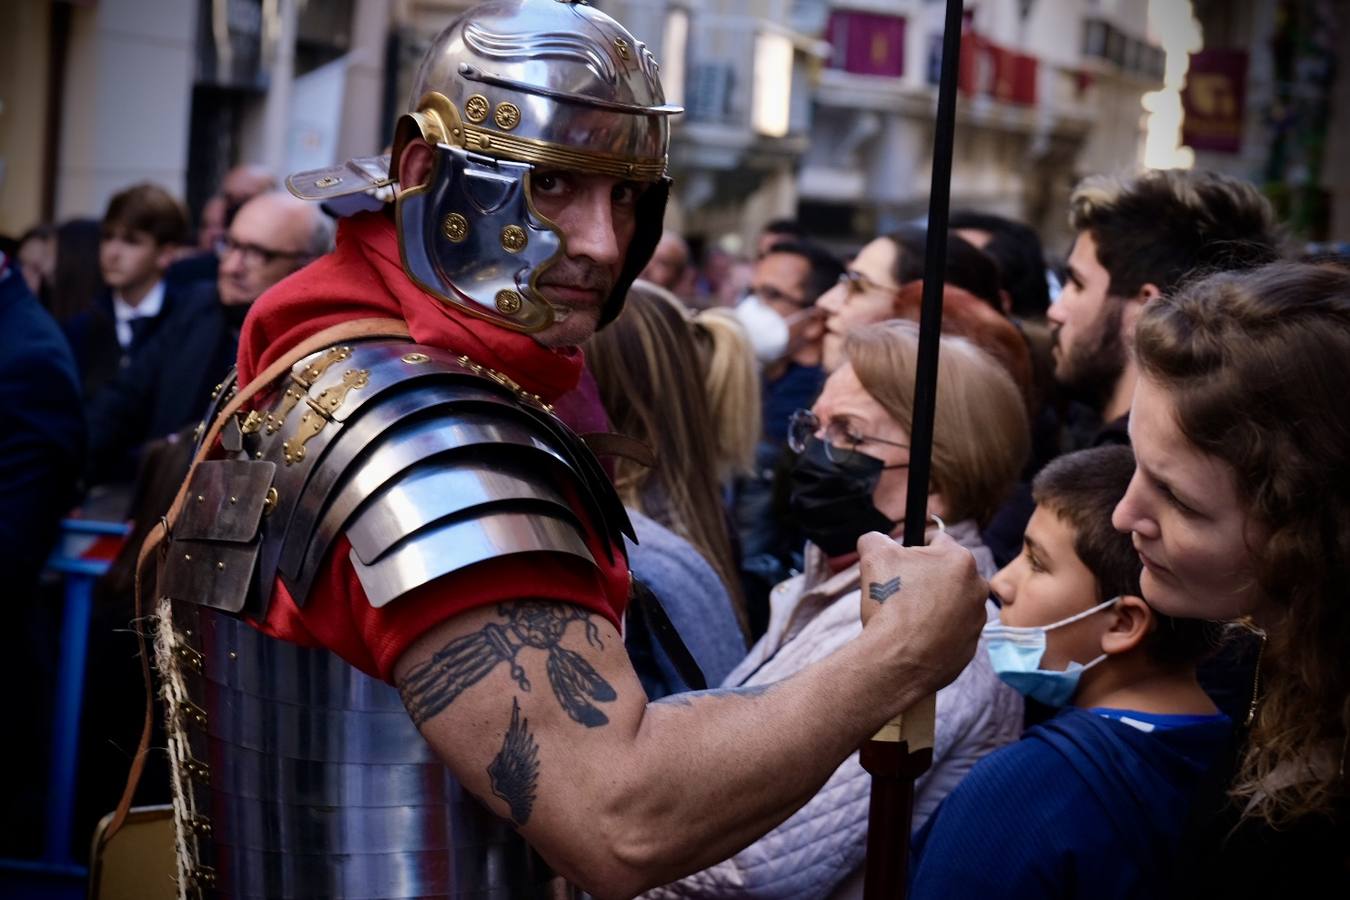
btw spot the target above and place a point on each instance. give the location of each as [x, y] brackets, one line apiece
[1092, 802]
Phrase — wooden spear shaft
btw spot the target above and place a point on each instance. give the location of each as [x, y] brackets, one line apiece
[903, 749]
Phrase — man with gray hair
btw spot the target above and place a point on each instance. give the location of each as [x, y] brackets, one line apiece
[168, 385]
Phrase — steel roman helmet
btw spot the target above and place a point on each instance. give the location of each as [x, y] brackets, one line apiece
[508, 88]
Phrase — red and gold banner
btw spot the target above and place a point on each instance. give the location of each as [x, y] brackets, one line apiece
[1214, 101]
[867, 43]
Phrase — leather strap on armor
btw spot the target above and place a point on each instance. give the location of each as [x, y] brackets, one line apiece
[346, 331]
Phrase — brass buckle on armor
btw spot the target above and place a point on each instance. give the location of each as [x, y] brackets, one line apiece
[191, 712]
[201, 878]
[507, 382]
[312, 372]
[191, 658]
[320, 413]
[197, 770]
[278, 416]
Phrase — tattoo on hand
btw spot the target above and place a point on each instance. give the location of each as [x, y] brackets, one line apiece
[883, 591]
[688, 697]
[468, 659]
[515, 770]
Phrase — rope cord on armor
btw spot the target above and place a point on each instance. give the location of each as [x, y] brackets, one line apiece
[184, 802]
[161, 534]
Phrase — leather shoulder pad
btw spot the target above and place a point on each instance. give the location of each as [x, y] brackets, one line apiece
[427, 462]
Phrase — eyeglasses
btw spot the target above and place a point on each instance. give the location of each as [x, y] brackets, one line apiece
[255, 254]
[770, 294]
[841, 442]
[857, 282]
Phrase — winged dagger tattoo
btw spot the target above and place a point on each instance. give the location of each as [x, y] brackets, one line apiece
[467, 660]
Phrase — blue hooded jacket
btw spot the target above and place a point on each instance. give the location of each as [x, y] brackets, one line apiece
[1083, 806]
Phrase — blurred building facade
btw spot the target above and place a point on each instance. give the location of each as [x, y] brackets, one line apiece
[820, 109]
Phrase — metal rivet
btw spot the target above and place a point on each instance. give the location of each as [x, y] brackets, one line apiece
[233, 655]
[514, 239]
[234, 499]
[415, 359]
[187, 556]
[476, 108]
[258, 455]
[507, 117]
[508, 302]
[220, 566]
[484, 141]
[327, 181]
[201, 499]
[455, 227]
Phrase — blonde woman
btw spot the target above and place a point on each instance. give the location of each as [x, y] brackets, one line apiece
[686, 388]
[851, 478]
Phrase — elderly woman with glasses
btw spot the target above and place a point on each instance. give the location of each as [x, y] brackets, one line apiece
[851, 477]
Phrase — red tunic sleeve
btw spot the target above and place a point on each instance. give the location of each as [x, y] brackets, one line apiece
[339, 617]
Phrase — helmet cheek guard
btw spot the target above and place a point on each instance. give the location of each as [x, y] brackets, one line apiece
[509, 87]
[472, 238]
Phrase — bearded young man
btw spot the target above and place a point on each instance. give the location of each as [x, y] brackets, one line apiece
[1137, 239]
[406, 509]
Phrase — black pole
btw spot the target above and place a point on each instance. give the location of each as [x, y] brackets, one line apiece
[892, 764]
[934, 271]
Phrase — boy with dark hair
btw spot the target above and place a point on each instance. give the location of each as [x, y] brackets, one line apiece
[139, 236]
[1092, 802]
[142, 231]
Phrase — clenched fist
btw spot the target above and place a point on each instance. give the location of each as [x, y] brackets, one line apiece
[924, 604]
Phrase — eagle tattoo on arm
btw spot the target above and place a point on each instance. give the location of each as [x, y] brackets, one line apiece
[468, 659]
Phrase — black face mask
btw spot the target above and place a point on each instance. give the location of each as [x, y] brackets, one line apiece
[832, 503]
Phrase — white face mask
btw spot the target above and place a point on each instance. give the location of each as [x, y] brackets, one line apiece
[767, 330]
[770, 337]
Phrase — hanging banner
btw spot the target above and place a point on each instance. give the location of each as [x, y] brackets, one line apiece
[1214, 101]
[867, 43]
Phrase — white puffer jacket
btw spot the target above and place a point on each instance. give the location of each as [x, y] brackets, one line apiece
[816, 851]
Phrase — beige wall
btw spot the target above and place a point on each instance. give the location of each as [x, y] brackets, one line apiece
[24, 48]
[128, 97]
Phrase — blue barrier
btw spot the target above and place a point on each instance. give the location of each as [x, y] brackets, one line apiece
[79, 571]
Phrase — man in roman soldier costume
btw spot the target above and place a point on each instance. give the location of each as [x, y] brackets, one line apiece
[391, 591]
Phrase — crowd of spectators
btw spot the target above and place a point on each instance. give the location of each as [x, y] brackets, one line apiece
[1147, 463]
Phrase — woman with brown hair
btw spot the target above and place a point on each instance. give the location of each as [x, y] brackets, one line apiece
[658, 371]
[1240, 507]
[851, 477]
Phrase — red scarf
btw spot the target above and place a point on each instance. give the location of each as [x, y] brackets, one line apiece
[364, 278]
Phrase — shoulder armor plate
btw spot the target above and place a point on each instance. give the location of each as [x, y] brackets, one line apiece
[427, 462]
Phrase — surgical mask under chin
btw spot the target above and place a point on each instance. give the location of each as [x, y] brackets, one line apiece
[1016, 654]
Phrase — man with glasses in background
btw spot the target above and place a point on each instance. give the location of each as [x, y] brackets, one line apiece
[785, 327]
[169, 384]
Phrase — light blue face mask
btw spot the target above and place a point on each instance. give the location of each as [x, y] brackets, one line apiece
[1016, 654]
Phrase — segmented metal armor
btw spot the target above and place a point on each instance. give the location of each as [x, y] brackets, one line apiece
[296, 775]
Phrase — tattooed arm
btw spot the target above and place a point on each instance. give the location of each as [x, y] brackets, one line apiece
[536, 709]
